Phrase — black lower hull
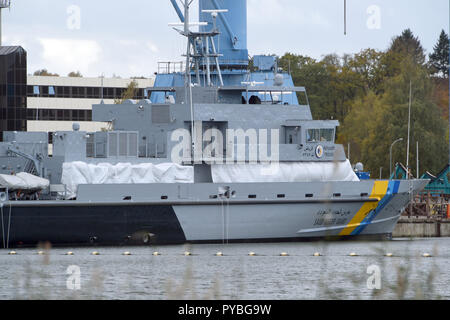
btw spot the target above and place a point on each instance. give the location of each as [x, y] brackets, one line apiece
[91, 225]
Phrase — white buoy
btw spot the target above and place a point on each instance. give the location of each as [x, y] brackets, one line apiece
[156, 253]
[251, 254]
[427, 255]
[95, 253]
[353, 254]
[41, 253]
[126, 253]
[70, 253]
[12, 253]
[317, 254]
[389, 254]
[284, 254]
[187, 253]
[219, 254]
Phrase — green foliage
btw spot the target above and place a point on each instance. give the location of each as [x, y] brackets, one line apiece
[377, 120]
[45, 73]
[368, 92]
[76, 74]
[439, 59]
[129, 93]
[408, 45]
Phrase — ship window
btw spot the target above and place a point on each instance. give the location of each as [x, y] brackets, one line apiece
[309, 195]
[364, 194]
[127, 198]
[337, 195]
[164, 197]
[320, 135]
[252, 196]
[281, 196]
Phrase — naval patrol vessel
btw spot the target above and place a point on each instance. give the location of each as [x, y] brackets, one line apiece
[217, 153]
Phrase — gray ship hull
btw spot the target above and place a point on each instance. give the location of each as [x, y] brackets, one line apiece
[170, 214]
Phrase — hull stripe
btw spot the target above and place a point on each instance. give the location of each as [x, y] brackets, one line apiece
[392, 190]
[379, 190]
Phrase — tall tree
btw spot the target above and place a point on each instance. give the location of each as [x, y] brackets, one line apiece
[408, 45]
[439, 59]
[369, 66]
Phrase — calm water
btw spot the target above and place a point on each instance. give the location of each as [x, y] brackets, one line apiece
[235, 275]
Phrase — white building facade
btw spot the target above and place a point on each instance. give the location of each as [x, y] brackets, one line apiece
[55, 103]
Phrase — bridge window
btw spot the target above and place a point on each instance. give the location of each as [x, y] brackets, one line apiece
[320, 135]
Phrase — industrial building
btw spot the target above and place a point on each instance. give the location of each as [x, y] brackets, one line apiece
[13, 90]
[49, 104]
[55, 103]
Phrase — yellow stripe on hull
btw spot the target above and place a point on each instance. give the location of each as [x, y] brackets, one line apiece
[378, 192]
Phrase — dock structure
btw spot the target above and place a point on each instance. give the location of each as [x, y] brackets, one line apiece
[428, 215]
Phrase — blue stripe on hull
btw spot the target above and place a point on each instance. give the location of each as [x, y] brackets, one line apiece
[391, 192]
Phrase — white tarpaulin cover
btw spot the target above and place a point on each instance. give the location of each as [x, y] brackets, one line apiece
[284, 172]
[23, 181]
[76, 173]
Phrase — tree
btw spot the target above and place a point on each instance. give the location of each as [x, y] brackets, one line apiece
[375, 121]
[408, 45]
[45, 73]
[76, 74]
[129, 93]
[440, 94]
[359, 126]
[439, 59]
[368, 92]
[369, 66]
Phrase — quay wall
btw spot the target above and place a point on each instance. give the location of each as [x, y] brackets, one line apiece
[421, 228]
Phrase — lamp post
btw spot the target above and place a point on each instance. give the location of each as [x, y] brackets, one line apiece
[390, 155]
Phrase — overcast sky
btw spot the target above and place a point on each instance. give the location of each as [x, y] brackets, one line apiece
[129, 37]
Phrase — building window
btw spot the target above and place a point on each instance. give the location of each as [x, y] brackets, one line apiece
[58, 115]
[51, 91]
[66, 92]
[36, 90]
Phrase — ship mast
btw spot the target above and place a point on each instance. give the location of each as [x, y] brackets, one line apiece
[200, 47]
